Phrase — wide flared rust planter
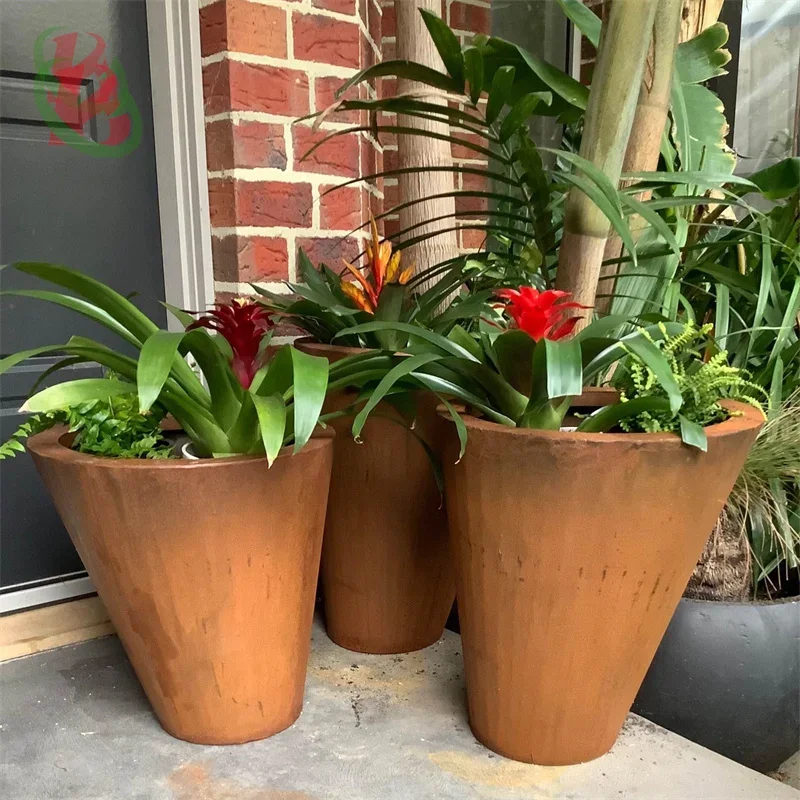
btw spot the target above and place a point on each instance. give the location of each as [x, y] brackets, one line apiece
[387, 578]
[208, 570]
[572, 551]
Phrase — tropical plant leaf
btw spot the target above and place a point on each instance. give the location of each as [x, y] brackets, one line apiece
[780, 180]
[447, 44]
[405, 367]
[693, 434]
[64, 395]
[473, 71]
[499, 92]
[155, 363]
[608, 417]
[310, 386]
[436, 339]
[564, 368]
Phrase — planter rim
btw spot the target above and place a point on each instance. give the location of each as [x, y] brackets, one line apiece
[50, 444]
[749, 417]
[745, 603]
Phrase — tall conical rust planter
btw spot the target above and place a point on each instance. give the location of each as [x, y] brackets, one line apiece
[208, 570]
[387, 578]
[572, 551]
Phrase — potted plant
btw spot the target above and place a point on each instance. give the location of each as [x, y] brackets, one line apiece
[592, 589]
[207, 566]
[563, 572]
[387, 579]
[727, 674]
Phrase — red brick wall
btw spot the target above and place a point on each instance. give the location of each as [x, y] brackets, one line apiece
[265, 63]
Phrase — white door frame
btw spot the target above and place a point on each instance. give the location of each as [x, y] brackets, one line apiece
[173, 28]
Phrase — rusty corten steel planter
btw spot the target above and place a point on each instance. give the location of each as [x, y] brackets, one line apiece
[571, 552]
[387, 577]
[208, 570]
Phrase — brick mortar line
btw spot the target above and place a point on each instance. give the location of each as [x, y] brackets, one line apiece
[275, 175]
[283, 232]
[315, 69]
[237, 115]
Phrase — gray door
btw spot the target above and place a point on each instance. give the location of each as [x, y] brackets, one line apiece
[77, 187]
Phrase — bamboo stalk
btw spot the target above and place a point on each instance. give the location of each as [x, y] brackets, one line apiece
[624, 44]
[649, 122]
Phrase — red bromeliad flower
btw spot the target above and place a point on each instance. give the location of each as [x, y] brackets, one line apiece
[383, 268]
[243, 324]
[542, 315]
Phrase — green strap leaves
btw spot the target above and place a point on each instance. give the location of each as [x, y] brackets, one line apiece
[310, 387]
[272, 423]
[63, 395]
[155, 362]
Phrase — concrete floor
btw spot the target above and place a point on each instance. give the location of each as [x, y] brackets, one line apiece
[75, 725]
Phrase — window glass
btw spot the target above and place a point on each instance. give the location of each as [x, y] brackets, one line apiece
[766, 127]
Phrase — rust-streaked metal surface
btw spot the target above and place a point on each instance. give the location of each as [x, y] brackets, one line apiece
[572, 551]
[208, 570]
[387, 575]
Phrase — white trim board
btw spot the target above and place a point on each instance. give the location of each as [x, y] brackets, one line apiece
[41, 595]
[173, 28]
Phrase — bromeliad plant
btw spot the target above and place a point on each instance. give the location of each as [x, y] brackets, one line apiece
[527, 375]
[250, 403]
[330, 304]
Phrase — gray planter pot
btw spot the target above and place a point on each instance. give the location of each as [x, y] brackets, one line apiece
[727, 676]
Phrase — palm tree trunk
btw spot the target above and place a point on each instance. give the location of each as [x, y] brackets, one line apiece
[415, 44]
[623, 48]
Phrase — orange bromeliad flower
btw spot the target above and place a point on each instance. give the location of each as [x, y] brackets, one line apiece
[384, 268]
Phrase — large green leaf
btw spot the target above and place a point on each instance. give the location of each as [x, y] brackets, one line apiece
[499, 92]
[155, 362]
[401, 370]
[102, 296]
[693, 434]
[780, 180]
[310, 386]
[441, 342]
[564, 368]
[608, 417]
[447, 44]
[403, 69]
[473, 70]
[225, 402]
[520, 112]
[703, 57]
[584, 19]
[244, 435]
[77, 304]
[514, 351]
[64, 395]
[272, 423]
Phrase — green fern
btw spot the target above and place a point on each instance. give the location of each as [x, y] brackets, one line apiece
[703, 377]
[112, 428]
